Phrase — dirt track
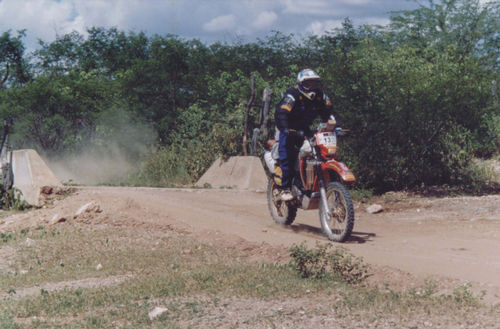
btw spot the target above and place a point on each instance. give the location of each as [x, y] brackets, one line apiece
[453, 240]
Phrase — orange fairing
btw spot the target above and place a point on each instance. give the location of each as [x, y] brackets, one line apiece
[340, 168]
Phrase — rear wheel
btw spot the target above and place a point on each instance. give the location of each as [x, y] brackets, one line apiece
[281, 211]
[337, 225]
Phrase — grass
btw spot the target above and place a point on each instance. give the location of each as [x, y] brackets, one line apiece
[361, 195]
[195, 281]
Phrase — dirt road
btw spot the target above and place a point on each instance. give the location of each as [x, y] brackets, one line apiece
[450, 239]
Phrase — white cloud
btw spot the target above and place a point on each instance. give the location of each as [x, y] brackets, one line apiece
[315, 7]
[356, 2]
[44, 16]
[220, 23]
[383, 21]
[265, 19]
[320, 27]
[322, 7]
[44, 19]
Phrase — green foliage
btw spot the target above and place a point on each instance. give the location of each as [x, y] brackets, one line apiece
[488, 139]
[5, 237]
[7, 320]
[420, 95]
[309, 263]
[362, 195]
[411, 113]
[13, 66]
[469, 25]
[465, 296]
[326, 262]
[12, 200]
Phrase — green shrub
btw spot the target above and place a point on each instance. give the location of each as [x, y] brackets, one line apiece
[479, 177]
[489, 144]
[326, 262]
[413, 114]
[362, 195]
[309, 263]
[184, 161]
[12, 200]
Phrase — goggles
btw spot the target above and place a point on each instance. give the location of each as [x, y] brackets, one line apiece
[311, 84]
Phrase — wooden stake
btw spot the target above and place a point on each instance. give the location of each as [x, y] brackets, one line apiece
[249, 106]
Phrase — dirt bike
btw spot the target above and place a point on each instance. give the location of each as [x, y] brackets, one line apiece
[317, 183]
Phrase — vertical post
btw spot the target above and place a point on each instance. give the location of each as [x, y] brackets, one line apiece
[245, 127]
[266, 98]
[6, 163]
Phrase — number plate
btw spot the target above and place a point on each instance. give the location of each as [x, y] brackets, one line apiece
[327, 139]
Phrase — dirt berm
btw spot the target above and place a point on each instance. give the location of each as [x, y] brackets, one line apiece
[240, 172]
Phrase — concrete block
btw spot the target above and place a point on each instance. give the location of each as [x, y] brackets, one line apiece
[31, 174]
[241, 172]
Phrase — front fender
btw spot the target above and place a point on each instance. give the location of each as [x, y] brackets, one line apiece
[340, 168]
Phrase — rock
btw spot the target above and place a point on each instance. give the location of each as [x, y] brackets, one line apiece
[374, 209]
[89, 207]
[46, 190]
[29, 242]
[57, 219]
[98, 267]
[157, 312]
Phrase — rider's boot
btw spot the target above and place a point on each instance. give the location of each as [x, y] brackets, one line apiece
[286, 195]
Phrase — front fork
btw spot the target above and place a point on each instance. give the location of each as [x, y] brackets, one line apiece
[322, 190]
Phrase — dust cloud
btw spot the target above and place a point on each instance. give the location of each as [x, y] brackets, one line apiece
[115, 152]
[93, 166]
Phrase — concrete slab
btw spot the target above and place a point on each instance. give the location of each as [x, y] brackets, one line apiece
[241, 172]
[31, 174]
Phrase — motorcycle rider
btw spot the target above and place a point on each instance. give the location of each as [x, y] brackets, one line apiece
[294, 114]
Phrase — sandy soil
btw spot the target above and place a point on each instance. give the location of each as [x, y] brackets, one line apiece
[450, 240]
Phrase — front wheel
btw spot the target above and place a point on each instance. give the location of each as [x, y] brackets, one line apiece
[338, 223]
[281, 211]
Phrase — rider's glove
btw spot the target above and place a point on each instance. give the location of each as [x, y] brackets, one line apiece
[339, 131]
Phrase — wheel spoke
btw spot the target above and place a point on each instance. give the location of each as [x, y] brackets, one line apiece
[338, 225]
[281, 211]
[338, 212]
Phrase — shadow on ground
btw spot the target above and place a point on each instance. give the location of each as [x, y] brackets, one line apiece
[356, 237]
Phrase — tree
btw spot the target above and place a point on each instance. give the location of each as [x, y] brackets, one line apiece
[13, 68]
[469, 25]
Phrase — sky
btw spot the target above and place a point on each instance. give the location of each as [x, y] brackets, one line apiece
[207, 20]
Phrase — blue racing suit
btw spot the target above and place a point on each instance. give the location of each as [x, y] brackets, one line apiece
[295, 113]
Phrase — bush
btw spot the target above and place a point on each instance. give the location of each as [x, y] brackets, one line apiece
[12, 200]
[413, 114]
[323, 262]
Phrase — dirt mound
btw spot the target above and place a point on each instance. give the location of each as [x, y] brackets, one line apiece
[240, 172]
[451, 241]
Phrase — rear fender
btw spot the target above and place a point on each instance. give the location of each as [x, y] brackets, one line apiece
[340, 168]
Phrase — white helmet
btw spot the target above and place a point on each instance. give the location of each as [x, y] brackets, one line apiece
[309, 83]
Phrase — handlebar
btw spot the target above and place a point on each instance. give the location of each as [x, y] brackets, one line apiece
[342, 132]
[322, 127]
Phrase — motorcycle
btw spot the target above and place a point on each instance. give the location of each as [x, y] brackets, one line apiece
[317, 183]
